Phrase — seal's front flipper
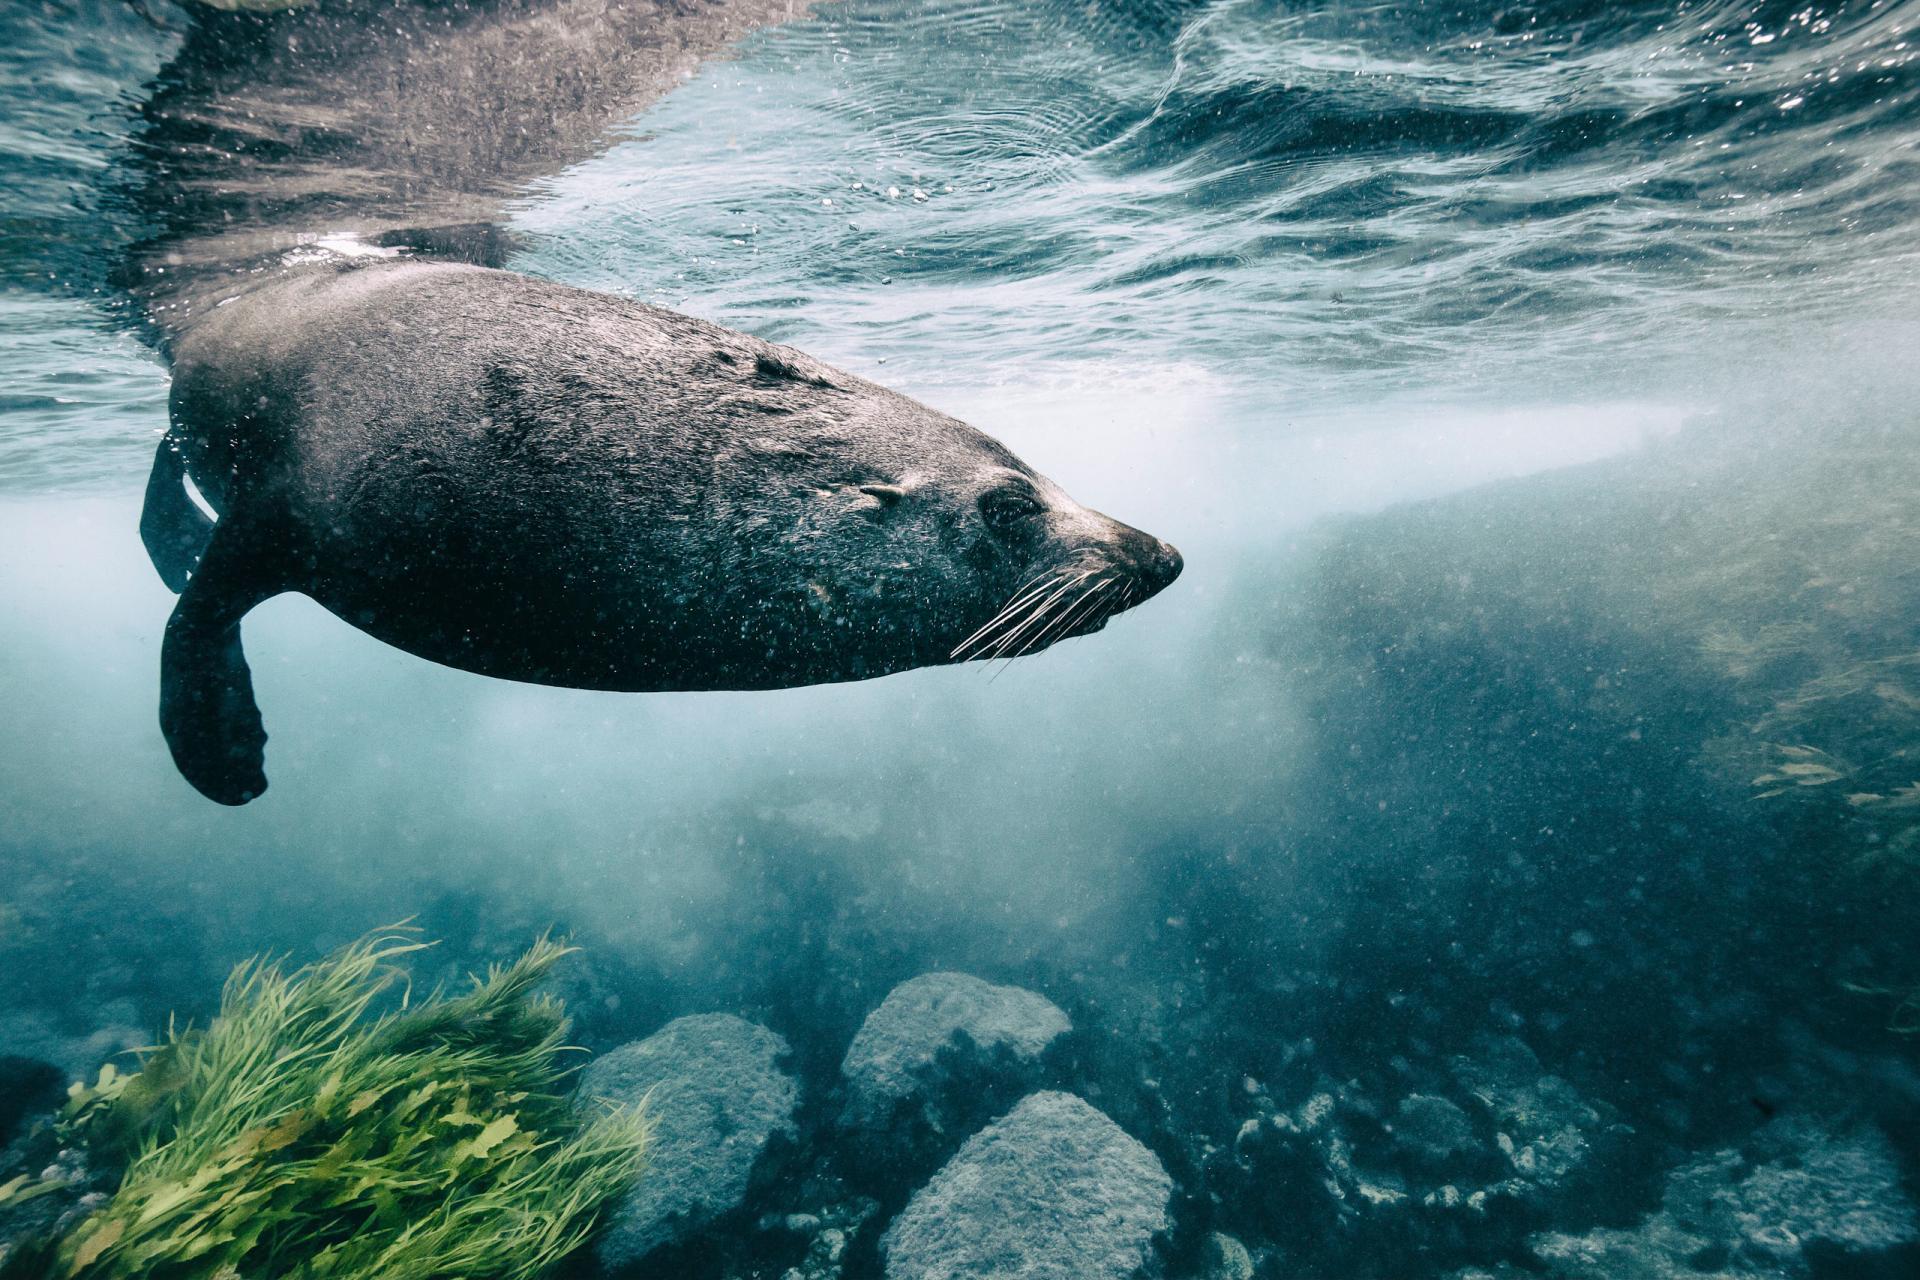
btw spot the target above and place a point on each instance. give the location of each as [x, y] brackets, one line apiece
[207, 711]
[174, 529]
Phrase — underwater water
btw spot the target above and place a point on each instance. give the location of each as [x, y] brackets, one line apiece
[1497, 854]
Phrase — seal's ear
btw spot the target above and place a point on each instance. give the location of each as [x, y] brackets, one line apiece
[886, 494]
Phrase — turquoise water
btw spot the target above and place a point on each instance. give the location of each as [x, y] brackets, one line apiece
[1243, 274]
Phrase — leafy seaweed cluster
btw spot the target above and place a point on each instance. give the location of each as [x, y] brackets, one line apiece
[302, 1136]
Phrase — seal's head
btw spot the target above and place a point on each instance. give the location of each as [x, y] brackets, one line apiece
[1053, 568]
[899, 537]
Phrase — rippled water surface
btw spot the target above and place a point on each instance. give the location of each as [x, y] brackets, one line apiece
[1309, 205]
[1319, 200]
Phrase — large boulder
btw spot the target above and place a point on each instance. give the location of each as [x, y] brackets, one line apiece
[943, 1054]
[718, 1097]
[1054, 1190]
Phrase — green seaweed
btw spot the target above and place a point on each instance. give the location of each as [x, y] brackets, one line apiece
[301, 1135]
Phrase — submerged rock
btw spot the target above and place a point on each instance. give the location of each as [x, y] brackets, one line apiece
[1432, 1131]
[932, 1030]
[30, 1152]
[1225, 1258]
[78, 1187]
[28, 1034]
[1461, 1159]
[1800, 1194]
[1544, 1130]
[718, 1098]
[943, 1054]
[27, 1086]
[1054, 1190]
[829, 1234]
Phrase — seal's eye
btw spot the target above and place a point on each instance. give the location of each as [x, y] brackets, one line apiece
[1003, 509]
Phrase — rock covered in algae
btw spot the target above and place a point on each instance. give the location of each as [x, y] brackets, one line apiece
[1799, 1194]
[1224, 1258]
[718, 1097]
[1053, 1190]
[940, 1036]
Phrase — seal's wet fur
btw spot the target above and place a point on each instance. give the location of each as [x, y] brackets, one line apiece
[545, 484]
[510, 476]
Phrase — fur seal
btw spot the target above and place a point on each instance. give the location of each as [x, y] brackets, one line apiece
[511, 476]
[536, 482]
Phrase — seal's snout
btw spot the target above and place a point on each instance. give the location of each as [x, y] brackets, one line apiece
[1149, 562]
[1162, 566]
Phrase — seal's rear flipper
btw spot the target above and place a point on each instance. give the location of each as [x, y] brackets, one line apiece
[207, 712]
[174, 529]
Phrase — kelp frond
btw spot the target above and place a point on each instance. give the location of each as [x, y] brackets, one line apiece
[300, 1136]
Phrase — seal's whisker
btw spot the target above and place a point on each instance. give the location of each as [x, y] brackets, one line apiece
[1040, 639]
[1038, 616]
[1079, 611]
[1035, 616]
[1040, 584]
[1061, 622]
[1091, 592]
[1012, 606]
[1102, 603]
[1037, 611]
[1007, 610]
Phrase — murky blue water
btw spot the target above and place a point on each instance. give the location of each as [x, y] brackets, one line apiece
[1225, 269]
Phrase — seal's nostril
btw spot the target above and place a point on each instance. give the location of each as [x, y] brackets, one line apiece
[1171, 561]
[1155, 563]
[1163, 566]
